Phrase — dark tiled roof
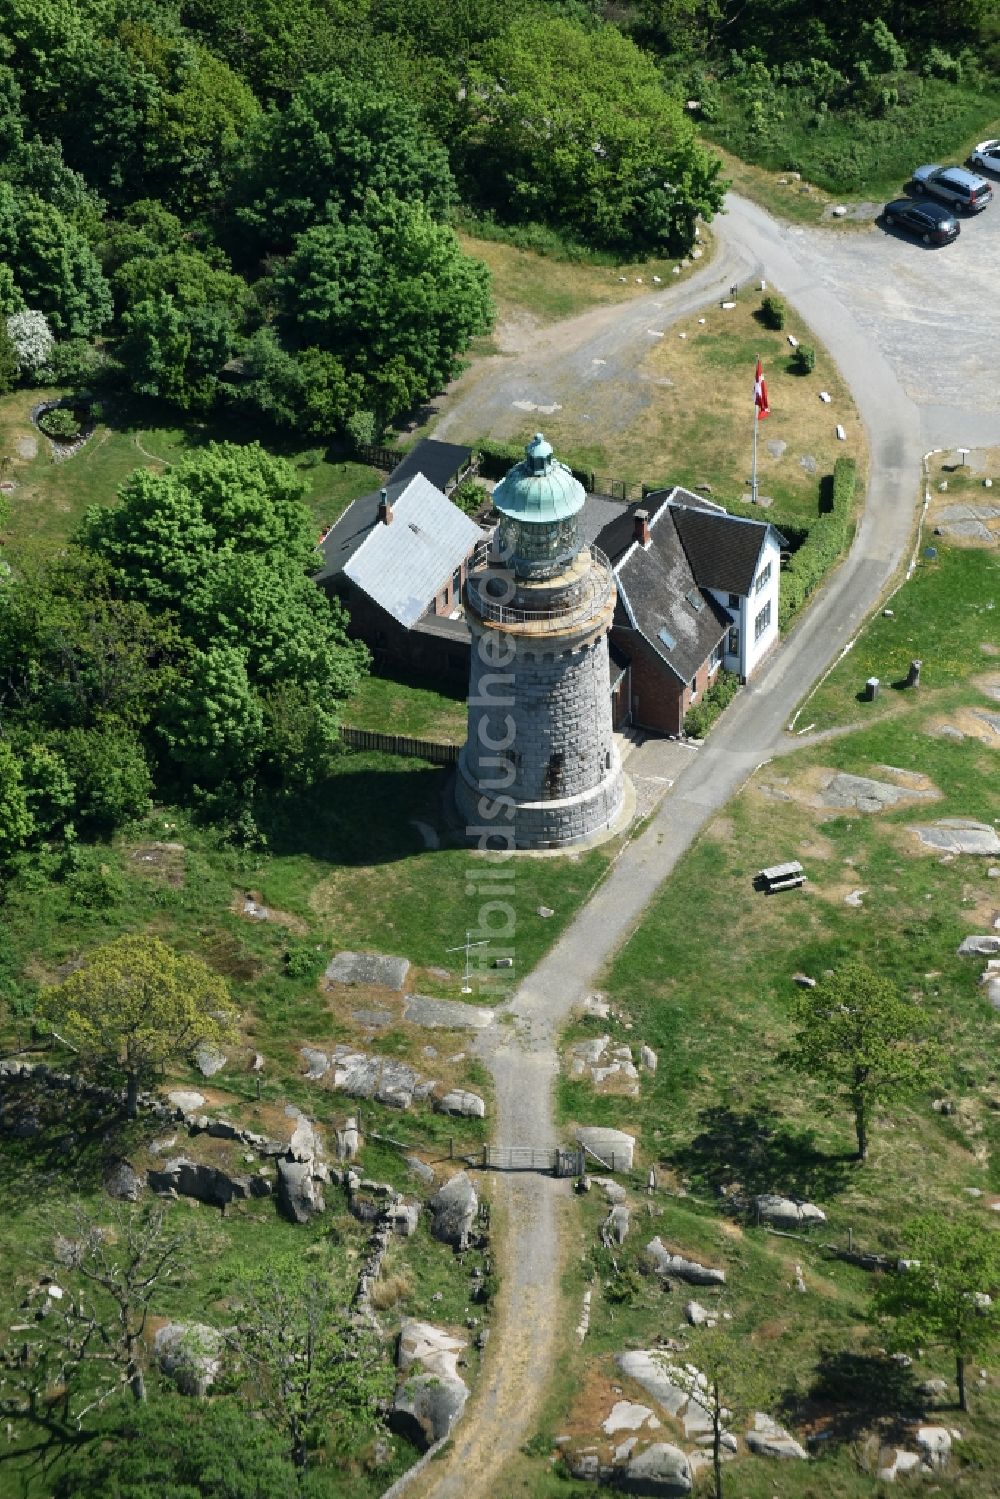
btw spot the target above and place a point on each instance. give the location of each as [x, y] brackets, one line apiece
[723, 550]
[437, 461]
[617, 535]
[681, 621]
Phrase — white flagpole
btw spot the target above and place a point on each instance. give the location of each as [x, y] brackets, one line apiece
[753, 481]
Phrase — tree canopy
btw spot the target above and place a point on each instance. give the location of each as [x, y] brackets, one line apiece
[135, 1005]
[574, 126]
[947, 1293]
[862, 1038]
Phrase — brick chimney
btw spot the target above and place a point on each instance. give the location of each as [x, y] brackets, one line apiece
[384, 509]
[641, 530]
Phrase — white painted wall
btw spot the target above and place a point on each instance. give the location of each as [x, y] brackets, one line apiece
[750, 652]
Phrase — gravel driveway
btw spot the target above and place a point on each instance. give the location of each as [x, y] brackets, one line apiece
[933, 314]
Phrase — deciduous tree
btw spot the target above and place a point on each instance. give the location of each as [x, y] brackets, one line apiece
[862, 1038]
[573, 126]
[948, 1293]
[307, 1360]
[87, 1346]
[136, 1004]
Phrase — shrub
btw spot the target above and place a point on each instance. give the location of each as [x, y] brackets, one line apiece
[772, 313]
[303, 961]
[32, 338]
[827, 541]
[469, 496]
[60, 424]
[804, 359]
[702, 715]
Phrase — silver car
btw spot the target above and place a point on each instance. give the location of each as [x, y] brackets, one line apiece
[986, 156]
[955, 186]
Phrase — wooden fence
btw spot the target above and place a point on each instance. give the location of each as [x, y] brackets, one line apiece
[377, 455]
[400, 744]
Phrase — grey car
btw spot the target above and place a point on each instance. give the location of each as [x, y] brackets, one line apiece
[956, 186]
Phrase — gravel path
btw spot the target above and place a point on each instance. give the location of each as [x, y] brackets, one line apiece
[847, 288]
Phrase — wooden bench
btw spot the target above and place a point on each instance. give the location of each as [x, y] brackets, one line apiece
[780, 877]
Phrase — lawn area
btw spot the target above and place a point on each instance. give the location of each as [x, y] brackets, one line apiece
[348, 869]
[409, 706]
[50, 498]
[723, 1115]
[547, 287]
[698, 430]
[946, 617]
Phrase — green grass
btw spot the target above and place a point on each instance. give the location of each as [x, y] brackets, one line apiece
[410, 705]
[50, 497]
[852, 155]
[942, 617]
[723, 1114]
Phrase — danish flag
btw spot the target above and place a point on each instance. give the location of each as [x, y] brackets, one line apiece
[760, 394]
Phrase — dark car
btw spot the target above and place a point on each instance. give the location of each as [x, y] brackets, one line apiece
[931, 222]
[956, 186]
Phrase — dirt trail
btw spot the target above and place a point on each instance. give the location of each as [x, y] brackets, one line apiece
[521, 1052]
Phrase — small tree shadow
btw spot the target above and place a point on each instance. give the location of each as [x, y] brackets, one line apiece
[854, 1392]
[759, 1153]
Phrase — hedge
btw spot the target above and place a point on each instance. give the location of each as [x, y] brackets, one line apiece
[699, 719]
[828, 539]
[498, 458]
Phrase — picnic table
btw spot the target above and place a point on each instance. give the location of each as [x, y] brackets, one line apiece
[781, 877]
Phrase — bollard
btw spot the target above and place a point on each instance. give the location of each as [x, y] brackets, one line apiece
[913, 676]
[871, 689]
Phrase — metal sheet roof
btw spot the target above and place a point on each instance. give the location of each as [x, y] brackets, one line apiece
[403, 565]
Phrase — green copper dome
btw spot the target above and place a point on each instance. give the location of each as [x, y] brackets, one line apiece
[539, 489]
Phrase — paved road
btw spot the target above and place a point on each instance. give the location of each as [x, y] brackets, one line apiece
[814, 272]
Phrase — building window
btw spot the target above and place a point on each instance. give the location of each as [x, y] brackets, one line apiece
[734, 601]
[456, 581]
[694, 688]
[444, 599]
[762, 621]
[715, 659]
[734, 641]
[763, 578]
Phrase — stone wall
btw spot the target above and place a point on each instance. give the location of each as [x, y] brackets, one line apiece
[540, 735]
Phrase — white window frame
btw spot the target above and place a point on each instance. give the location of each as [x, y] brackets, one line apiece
[763, 578]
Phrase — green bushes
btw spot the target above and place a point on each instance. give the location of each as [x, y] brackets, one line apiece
[828, 539]
[700, 718]
[804, 360]
[60, 424]
[772, 313]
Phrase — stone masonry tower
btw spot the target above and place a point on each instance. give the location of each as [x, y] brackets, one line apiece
[540, 768]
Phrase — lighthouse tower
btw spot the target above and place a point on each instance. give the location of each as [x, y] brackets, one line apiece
[540, 768]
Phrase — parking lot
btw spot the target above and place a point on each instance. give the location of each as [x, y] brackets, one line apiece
[934, 313]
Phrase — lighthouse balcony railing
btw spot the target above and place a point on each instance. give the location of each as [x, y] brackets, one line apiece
[595, 596]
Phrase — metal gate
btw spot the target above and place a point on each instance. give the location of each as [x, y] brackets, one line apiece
[558, 1162]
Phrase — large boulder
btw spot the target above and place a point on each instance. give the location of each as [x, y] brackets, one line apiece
[432, 1397]
[123, 1182]
[649, 1368]
[677, 1267]
[205, 1183]
[613, 1148]
[190, 1354]
[787, 1212]
[454, 1208]
[300, 1193]
[934, 1443]
[425, 1408]
[661, 1469]
[768, 1439]
[460, 1101]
